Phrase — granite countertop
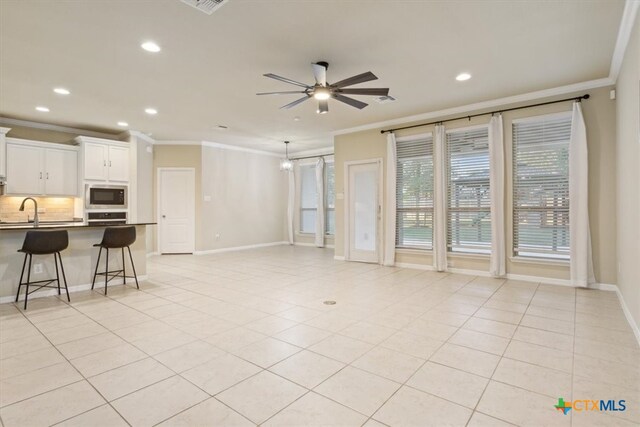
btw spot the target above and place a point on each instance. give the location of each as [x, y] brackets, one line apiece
[58, 224]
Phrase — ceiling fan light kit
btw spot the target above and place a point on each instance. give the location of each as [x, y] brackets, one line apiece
[323, 91]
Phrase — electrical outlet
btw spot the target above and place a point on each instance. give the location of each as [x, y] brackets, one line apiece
[217, 236]
[42, 210]
[37, 268]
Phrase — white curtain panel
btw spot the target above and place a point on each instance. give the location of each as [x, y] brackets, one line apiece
[290, 204]
[440, 202]
[580, 235]
[497, 267]
[320, 203]
[389, 255]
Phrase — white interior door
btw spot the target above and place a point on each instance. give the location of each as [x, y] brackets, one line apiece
[176, 210]
[363, 212]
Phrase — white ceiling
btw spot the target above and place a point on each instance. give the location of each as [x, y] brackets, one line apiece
[210, 67]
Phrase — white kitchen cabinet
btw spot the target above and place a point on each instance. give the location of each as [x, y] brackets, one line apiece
[24, 169]
[118, 164]
[3, 153]
[104, 160]
[61, 172]
[33, 168]
[95, 161]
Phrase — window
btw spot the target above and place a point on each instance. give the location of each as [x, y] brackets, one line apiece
[541, 187]
[308, 198]
[308, 202]
[330, 199]
[469, 208]
[414, 193]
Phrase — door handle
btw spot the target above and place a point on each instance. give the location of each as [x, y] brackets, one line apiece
[104, 163]
[164, 216]
[40, 175]
[109, 163]
[47, 175]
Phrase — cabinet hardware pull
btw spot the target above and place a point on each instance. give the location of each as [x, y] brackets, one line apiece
[109, 163]
[40, 175]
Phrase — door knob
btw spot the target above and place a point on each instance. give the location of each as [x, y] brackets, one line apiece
[164, 216]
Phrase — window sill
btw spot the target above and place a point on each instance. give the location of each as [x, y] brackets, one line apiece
[413, 251]
[538, 261]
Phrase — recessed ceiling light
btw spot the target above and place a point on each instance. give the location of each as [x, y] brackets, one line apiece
[123, 124]
[61, 91]
[151, 111]
[463, 76]
[150, 47]
[42, 109]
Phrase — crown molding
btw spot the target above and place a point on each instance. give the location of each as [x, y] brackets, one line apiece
[4, 131]
[212, 144]
[57, 128]
[236, 148]
[484, 105]
[325, 151]
[629, 16]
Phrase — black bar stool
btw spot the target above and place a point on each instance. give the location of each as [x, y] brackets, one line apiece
[43, 242]
[116, 238]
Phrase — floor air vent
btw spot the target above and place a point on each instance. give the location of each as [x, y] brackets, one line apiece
[206, 6]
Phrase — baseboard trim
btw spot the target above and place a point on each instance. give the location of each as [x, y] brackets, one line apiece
[338, 258]
[413, 266]
[150, 254]
[72, 289]
[627, 313]
[240, 248]
[312, 245]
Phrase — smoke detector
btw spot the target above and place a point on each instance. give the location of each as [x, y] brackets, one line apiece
[385, 99]
[206, 6]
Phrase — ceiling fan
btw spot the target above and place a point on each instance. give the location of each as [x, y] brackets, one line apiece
[322, 90]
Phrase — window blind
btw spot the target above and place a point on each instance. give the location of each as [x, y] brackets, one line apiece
[330, 198]
[414, 193]
[541, 187]
[469, 207]
[308, 202]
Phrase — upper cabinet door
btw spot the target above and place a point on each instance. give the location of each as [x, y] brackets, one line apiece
[118, 164]
[95, 162]
[24, 169]
[61, 172]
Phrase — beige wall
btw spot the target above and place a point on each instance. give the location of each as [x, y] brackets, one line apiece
[599, 112]
[180, 156]
[628, 174]
[247, 190]
[248, 199]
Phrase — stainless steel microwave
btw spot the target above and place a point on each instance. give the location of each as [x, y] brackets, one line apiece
[105, 196]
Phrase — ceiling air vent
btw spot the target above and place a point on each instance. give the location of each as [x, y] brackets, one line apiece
[385, 99]
[206, 6]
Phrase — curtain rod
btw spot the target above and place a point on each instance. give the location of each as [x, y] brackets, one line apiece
[579, 98]
[312, 157]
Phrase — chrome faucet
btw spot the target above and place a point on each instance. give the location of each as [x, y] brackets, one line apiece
[36, 221]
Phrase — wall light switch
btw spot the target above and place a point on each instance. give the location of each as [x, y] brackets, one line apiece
[207, 198]
[37, 268]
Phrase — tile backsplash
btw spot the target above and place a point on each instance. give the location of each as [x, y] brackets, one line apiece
[56, 209]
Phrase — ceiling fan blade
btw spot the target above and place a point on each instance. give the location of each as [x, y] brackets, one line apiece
[320, 73]
[286, 80]
[294, 103]
[366, 91]
[281, 93]
[323, 106]
[360, 78]
[350, 101]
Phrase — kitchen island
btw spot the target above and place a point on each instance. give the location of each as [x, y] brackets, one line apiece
[79, 258]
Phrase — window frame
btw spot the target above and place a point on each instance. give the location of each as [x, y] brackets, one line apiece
[525, 256]
[469, 250]
[302, 209]
[326, 203]
[417, 210]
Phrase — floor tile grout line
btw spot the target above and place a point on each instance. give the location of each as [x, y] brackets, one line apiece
[500, 359]
[83, 379]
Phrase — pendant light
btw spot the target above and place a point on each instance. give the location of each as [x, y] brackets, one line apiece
[286, 164]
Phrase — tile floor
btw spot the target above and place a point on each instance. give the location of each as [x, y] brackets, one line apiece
[244, 338]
